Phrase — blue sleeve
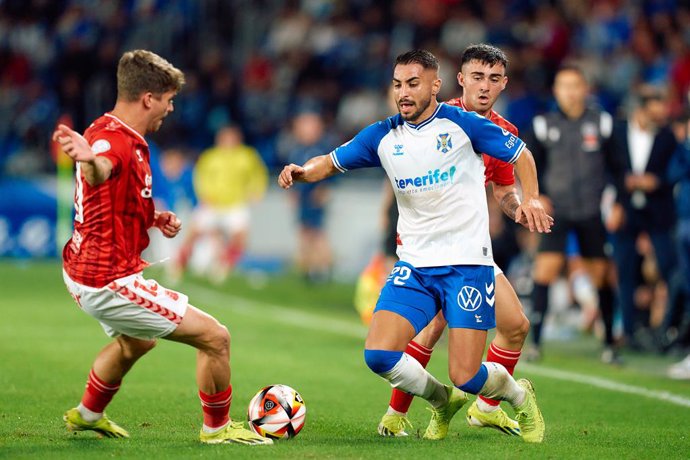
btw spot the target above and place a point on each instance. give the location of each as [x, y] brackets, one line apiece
[362, 150]
[489, 138]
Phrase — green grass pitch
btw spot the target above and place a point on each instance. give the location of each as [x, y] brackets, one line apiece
[309, 338]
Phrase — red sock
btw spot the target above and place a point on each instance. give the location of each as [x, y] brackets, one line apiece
[98, 393]
[233, 254]
[216, 407]
[507, 358]
[400, 401]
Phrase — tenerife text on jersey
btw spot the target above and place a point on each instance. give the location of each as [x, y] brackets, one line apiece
[433, 180]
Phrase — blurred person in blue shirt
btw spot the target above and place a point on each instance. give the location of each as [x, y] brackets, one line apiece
[309, 138]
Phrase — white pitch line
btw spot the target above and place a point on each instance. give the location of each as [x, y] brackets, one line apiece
[313, 321]
[606, 384]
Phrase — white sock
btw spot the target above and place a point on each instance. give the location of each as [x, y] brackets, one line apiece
[392, 411]
[484, 406]
[501, 385]
[208, 429]
[409, 376]
[89, 415]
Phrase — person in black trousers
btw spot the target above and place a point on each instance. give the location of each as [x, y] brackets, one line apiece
[642, 147]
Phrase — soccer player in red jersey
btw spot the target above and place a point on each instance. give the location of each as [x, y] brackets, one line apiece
[102, 261]
[483, 77]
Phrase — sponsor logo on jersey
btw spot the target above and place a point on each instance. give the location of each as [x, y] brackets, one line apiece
[146, 192]
[432, 180]
[469, 298]
[444, 142]
[398, 150]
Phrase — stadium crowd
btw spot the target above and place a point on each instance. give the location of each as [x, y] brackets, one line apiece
[333, 57]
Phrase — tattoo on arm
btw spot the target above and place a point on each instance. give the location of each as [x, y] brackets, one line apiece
[509, 204]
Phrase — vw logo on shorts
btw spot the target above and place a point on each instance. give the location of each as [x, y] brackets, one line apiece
[469, 298]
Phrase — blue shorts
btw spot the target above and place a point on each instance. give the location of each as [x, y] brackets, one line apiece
[465, 294]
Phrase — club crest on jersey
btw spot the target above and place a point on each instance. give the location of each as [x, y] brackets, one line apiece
[100, 146]
[444, 142]
[469, 298]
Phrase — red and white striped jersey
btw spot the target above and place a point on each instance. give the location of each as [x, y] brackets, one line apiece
[111, 219]
[496, 171]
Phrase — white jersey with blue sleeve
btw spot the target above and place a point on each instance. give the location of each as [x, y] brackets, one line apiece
[438, 179]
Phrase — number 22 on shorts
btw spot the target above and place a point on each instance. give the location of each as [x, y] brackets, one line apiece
[399, 275]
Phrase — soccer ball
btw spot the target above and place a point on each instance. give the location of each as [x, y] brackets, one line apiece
[276, 412]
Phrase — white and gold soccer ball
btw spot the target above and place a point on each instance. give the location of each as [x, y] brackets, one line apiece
[277, 412]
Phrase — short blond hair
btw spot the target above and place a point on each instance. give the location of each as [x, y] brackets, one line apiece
[141, 71]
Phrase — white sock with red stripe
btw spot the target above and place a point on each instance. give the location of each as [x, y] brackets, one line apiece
[97, 396]
[216, 408]
[508, 359]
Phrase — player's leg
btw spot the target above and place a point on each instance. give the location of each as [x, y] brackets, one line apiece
[592, 240]
[598, 270]
[548, 264]
[234, 227]
[109, 368]
[212, 341]
[394, 421]
[119, 315]
[512, 327]
[492, 380]
[405, 307]
[468, 305]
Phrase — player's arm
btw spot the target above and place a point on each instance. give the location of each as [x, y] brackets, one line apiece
[530, 208]
[96, 169]
[314, 170]
[508, 199]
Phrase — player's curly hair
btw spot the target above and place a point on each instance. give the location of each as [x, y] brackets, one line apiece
[484, 53]
[421, 57]
[141, 71]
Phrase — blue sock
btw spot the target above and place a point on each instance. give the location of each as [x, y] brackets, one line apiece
[381, 361]
[475, 384]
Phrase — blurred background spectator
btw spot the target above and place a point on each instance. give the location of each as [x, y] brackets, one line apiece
[228, 179]
[307, 139]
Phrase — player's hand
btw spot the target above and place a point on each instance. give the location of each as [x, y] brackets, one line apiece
[537, 219]
[168, 223]
[525, 223]
[73, 144]
[289, 174]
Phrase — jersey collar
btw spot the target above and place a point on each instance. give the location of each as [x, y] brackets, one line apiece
[427, 121]
[491, 114]
[128, 128]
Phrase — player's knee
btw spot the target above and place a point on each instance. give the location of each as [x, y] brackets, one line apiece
[381, 361]
[470, 382]
[135, 349]
[218, 341]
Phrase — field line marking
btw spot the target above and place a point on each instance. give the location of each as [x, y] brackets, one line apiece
[314, 321]
[606, 384]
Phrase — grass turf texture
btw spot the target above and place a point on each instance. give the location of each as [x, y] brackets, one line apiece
[307, 337]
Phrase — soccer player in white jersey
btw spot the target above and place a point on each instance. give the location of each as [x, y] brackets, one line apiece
[429, 153]
[482, 77]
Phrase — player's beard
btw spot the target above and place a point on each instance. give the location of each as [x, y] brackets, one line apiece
[422, 106]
